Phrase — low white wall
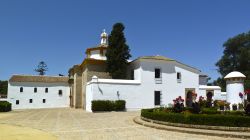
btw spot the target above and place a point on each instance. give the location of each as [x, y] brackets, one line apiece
[3, 99]
[110, 89]
[203, 89]
[53, 99]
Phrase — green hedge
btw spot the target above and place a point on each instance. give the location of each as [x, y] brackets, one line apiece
[119, 105]
[5, 106]
[198, 119]
[107, 105]
[209, 111]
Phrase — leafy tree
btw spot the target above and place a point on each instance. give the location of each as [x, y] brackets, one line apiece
[41, 68]
[236, 57]
[118, 53]
[3, 87]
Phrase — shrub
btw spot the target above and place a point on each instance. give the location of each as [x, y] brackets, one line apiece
[119, 105]
[209, 111]
[101, 105]
[198, 119]
[178, 107]
[196, 108]
[202, 102]
[237, 112]
[216, 104]
[221, 104]
[241, 107]
[5, 106]
[234, 107]
[247, 109]
[107, 105]
[227, 105]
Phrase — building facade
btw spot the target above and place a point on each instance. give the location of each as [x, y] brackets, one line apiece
[32, 92]
[151, 81]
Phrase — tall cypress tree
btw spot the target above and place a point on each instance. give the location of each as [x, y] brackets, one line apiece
[118, 53]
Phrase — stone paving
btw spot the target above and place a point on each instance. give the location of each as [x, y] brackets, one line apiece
[76, 124]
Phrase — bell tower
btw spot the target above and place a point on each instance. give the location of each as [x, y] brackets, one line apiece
[104, 38]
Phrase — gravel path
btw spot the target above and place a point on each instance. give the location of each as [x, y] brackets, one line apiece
[76, 124]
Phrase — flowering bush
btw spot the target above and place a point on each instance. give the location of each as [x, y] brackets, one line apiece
[241, 95]
[178, 105]
[202, 101]
[178, 100]
[247, 91]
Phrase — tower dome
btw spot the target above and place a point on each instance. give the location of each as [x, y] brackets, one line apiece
[235, 74]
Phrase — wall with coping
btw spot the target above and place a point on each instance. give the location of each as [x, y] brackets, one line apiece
[111, 89]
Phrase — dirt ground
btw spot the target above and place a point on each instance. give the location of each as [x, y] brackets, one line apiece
[76, 124]
[13, 132]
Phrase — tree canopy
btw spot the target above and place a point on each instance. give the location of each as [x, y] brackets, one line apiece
[3, 87]
[236, 57]
[118, 53]
[41, 68]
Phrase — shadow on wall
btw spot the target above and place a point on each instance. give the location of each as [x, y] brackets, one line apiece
[166, 67]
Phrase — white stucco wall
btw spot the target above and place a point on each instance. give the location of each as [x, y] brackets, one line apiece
[97, 55]
[170, 88]
[233, 88]
[53, 100]
[216, 90]
[139, 93]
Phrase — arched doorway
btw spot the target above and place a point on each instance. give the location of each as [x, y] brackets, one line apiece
[209, 98]
[189, 98]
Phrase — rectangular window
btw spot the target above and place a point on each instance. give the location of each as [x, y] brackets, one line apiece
[157, 73]
[178, 76]
[21, 89]
[17, 102]
[35, 90]
[157, 98]
[44, 100]
[60, 92]
[31, 100]
[132, 75]
[46, 90]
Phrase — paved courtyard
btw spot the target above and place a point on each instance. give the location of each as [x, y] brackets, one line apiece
[76, 124]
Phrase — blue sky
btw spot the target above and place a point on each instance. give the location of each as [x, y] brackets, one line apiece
[59, 31]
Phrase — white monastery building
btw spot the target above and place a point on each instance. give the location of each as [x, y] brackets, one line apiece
[30, 92]
[151, 81]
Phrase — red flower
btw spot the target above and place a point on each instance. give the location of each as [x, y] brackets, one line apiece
[241, 95]
[247, 91]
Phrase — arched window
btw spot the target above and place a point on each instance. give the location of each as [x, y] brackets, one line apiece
[21, 89]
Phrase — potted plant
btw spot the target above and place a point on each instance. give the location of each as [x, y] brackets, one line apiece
[227, 105]
[241, 106]
[221, 105]
[202, 101]
[234, 107]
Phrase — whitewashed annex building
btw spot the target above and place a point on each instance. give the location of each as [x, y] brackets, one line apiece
[151, 81]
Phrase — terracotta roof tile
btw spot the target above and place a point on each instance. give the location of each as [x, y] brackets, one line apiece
[38, 78]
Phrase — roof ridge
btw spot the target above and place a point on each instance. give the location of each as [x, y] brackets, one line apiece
[38, 75]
